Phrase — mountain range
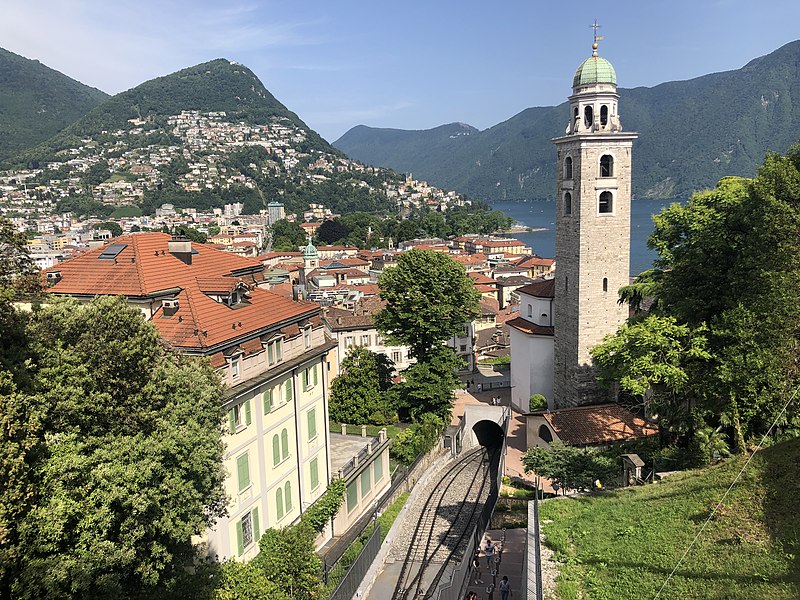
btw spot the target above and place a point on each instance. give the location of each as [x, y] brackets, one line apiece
[36, 102]
[691, 134]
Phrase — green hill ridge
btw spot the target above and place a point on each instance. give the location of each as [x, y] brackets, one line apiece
[36, 102]
[219, 85]
[624, 544]
[691, 134]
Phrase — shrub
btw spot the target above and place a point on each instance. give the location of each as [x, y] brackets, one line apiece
[537, 402]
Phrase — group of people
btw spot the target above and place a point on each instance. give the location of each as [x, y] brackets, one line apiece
[490, 548]
[495, 400]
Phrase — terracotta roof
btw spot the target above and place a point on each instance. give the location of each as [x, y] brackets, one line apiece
[143, 266]
[489, 306]
[598, 424]
[545, 288]
[535, 261]
[525, 326]
[201, 322]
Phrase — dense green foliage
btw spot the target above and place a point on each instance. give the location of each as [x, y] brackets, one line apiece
[287, 236]
[111, 456]
[571, 467]
[417, 439]
[720, 348]
[326, 506]
[429, 298]
[370, 230]
[733, 119]
[37, 102]
[359, 393]
[624, 544]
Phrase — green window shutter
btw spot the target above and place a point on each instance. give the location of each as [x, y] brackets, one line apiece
[316, 380]
[267, 400]
[256, 525]
[287, 494]
[270, 353]
[278, 353]
[231, 422]
[248, 414]
[288, 390]
[312, 423]
[239, 543]
[276, 450]
[243, 470]
[314, 474]
[284, 444]
[279, 503]
[305, 379]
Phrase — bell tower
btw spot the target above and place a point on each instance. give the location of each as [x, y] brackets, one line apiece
[592, 229]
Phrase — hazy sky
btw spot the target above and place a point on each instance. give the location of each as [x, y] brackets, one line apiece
[413, 64]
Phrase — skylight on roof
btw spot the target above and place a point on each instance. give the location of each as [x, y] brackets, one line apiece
[111, 251]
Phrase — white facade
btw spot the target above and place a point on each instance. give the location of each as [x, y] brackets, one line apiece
[532, 350]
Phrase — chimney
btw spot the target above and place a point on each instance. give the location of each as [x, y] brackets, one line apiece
[170, 306]
[181, 247]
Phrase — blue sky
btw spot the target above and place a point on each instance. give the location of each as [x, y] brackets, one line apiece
[412, 64]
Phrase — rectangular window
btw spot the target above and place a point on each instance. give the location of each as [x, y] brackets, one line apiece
[271, 354]
[274, 352]
[314, 467]
[238, 416]
[352, 496]
[312, 424]
[306, 381]
[377, 467]
[365, 340]
[316, 376]
[244, 531]
[278, 351]
[378, 340]
[366, 484]
[235, 368]
[396, 358]
[243, 470]
[307, 337]
[463, 347]
[349, 341]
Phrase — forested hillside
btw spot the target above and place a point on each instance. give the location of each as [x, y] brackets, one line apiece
[37, 102]
[691, 134]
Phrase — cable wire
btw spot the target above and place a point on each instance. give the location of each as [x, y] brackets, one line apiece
[725, 495]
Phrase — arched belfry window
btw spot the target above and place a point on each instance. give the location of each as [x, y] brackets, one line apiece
[605, 284]
[567, 203]
[568, 168]
[604, 115]
[606, 165]
[606, 203]
[588, 116]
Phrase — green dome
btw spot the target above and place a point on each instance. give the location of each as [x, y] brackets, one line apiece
[594, 69]
[310, 251]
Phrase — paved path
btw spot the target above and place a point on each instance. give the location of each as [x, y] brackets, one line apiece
[511, 564]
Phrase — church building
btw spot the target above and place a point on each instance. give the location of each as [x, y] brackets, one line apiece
[592, 246]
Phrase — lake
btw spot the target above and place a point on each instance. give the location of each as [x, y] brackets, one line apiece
[540, 214]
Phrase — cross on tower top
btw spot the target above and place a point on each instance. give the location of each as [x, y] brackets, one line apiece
[597, 38]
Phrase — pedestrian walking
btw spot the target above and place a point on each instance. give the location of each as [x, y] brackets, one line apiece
[505, 588]
[472, 596]
[488, 550]
[476, 567]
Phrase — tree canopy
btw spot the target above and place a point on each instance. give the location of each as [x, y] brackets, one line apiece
[358, 394]
[111, 457]
[726, 283]
[429, 299]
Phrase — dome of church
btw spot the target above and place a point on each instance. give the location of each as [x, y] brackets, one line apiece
[594, 69]
[310, 251]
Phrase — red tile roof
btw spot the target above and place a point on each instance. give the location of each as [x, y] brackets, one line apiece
[201, 322]
[525, 326]
[598, 424]
[546, 288]
[145, 266]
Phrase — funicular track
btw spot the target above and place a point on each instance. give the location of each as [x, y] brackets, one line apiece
[444, 522]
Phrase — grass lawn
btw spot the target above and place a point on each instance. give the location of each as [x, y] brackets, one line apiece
[372, 430]
[624, 544]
